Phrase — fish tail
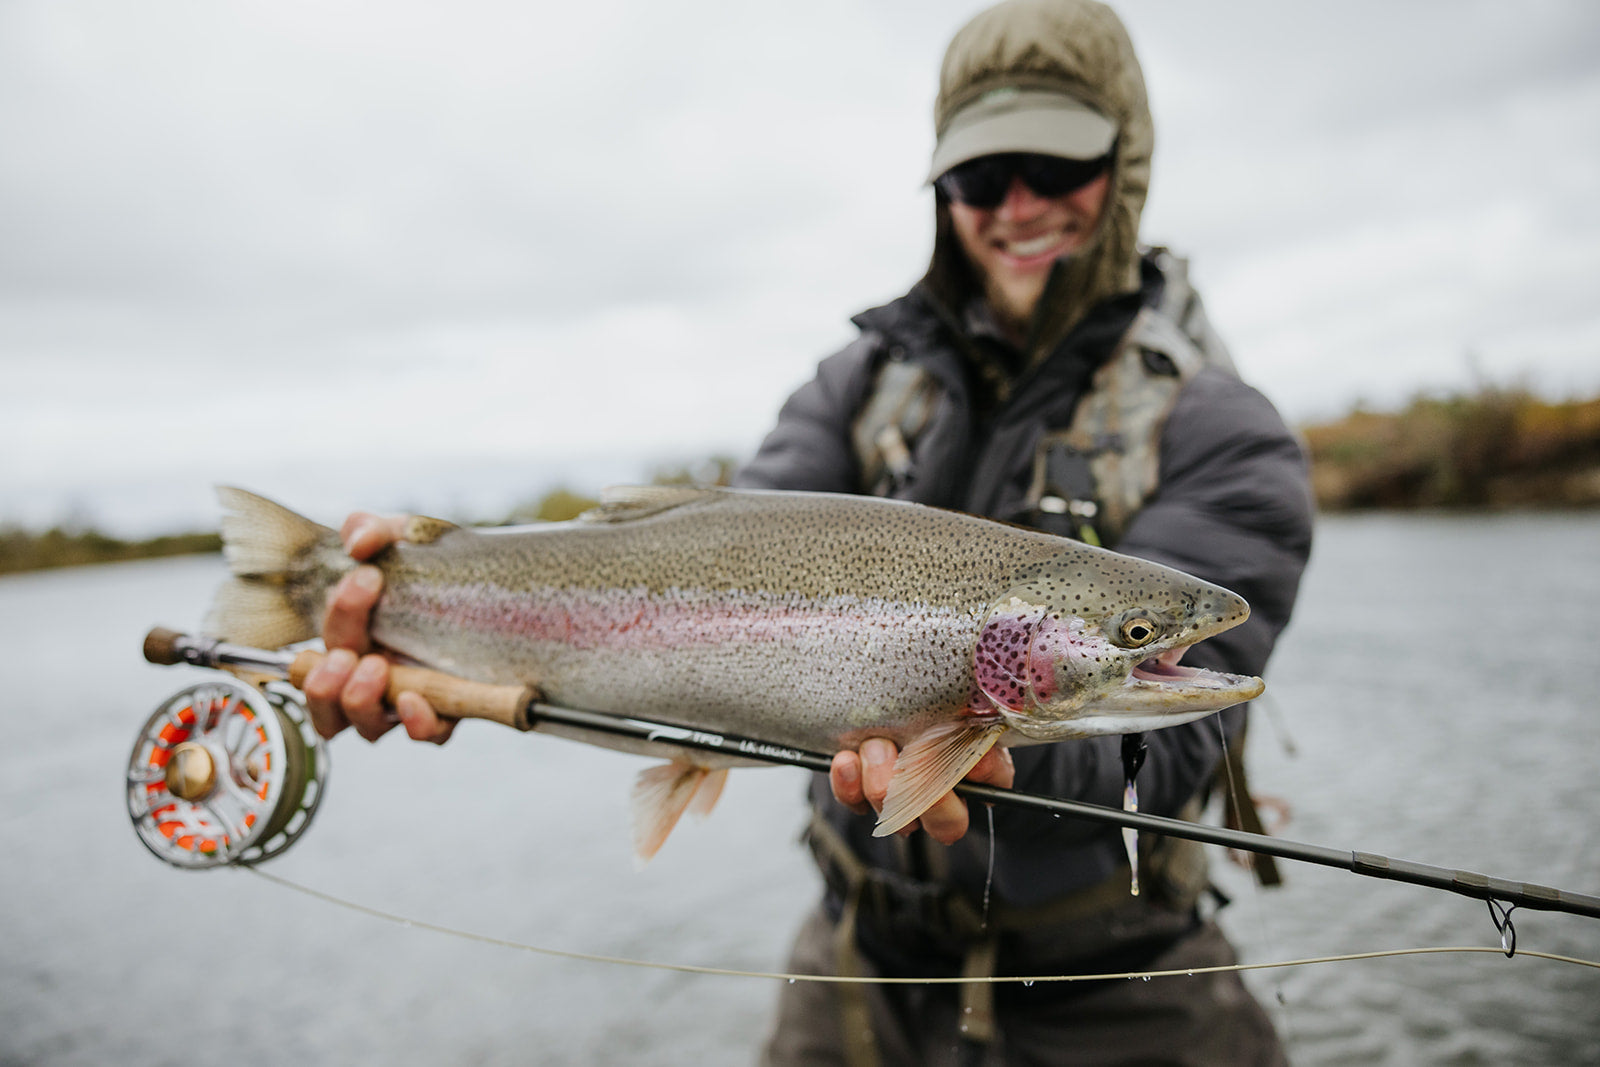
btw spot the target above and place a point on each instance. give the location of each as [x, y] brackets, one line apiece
[282, 565]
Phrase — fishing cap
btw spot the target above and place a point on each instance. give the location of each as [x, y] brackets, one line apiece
[1058, 77]
[1014, 119]
[1052, 76]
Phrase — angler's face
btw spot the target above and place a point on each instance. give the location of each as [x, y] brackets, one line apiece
[1014, 244]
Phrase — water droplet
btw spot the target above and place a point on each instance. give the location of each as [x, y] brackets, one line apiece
[1145, 977]
[1028, 983]
[988, 882]
[791, 981]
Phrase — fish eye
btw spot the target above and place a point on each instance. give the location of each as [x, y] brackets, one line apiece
[1136, 632]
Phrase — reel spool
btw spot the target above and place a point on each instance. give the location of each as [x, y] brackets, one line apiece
[225, 772]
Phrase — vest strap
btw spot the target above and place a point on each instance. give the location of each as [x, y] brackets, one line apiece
[897, 410]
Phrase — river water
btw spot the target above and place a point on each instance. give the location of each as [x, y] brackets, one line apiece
[1435, 699]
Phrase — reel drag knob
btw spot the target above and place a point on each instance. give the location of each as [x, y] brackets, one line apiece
[224, 772]
[191, 772]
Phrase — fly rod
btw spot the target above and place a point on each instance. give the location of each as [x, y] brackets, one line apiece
[164, 768]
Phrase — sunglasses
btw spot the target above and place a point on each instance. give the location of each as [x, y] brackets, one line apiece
[983, 182]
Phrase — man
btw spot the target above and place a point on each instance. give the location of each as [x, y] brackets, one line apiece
[1046, 372]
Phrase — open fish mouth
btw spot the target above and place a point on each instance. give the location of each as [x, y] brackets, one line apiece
[1164, 669]
[1157, 692]
[1162, 677]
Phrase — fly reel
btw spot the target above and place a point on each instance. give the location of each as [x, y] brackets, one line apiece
[225, 772]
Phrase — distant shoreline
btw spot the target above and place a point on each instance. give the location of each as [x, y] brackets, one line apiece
[23, 550]
[1487, 452]
[1492, 450]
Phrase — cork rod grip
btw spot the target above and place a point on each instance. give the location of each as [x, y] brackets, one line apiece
[456, 698]
[161, 646]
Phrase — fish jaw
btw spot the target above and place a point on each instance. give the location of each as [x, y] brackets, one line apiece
[1160, 683]
[1157, 693]
[1089, 643]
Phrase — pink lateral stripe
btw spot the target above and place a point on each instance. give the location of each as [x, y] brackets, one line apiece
[634, 619]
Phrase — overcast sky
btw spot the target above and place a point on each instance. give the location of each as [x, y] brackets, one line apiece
[444, 255]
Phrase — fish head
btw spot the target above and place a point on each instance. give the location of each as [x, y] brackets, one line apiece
[1088, 642]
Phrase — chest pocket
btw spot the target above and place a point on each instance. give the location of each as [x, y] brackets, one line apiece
[900, 404]
[1091, 478]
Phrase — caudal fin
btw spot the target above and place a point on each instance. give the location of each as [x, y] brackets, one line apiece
[274, 598]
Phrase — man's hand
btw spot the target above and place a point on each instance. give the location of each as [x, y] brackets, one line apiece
[347, 688]
[860, 779]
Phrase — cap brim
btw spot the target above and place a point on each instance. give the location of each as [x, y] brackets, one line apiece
[1052, 124]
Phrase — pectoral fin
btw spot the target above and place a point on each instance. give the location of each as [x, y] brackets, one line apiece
[661, 794]
[930, 766]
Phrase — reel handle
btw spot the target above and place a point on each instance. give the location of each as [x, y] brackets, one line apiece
[456, 698]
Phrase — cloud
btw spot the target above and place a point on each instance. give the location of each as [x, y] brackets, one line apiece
[299, 237]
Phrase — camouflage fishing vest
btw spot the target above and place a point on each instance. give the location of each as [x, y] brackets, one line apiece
[1091, 477]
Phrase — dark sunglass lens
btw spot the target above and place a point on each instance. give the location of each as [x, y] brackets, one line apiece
[980, 182]
[983, 182]
[1054, 176]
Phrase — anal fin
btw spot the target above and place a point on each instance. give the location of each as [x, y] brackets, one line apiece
[708, 792]
[661, 794]
[930, 766]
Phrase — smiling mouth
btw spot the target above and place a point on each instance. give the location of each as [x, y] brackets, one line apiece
[1028, 253]
[1032, 246]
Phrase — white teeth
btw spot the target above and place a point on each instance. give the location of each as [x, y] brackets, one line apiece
[1033, 246]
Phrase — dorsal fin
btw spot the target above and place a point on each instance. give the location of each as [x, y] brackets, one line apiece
[625, 503]
[425, 530]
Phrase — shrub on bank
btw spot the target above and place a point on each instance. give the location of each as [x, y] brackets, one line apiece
[1494, 448]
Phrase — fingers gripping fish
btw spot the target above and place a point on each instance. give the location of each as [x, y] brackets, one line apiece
[807, 619]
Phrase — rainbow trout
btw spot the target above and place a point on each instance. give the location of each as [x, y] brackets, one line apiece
[811, 620]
